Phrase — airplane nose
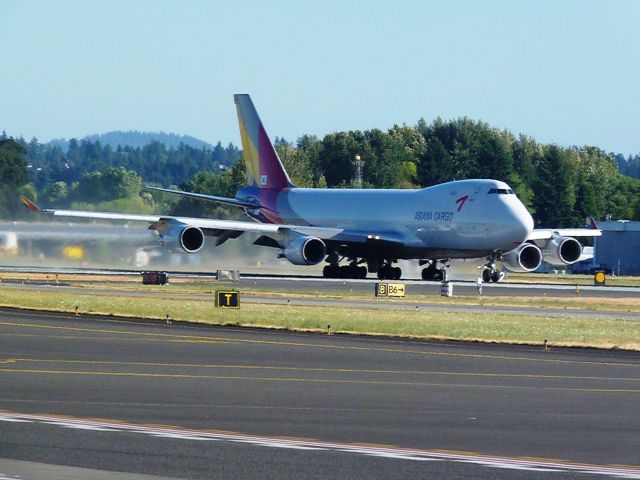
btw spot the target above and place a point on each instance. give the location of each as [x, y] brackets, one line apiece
[522, 220]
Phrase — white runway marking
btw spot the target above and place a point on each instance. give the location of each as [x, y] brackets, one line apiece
[82, 427]
[395, 453]
[16, 420]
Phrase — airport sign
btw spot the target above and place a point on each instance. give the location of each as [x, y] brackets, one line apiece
[227, 299]
[390, 290]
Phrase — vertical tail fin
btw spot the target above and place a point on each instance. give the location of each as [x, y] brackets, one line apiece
[264, 168]
[591, 224]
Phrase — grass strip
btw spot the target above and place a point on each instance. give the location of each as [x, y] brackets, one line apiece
[482, 327]
[183, 286]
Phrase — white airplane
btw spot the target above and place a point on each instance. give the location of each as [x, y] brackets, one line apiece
[479, 219]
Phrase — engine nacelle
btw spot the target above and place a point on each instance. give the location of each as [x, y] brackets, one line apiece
[305, 250]
[183, 239]
[562, 251]
[526, 258]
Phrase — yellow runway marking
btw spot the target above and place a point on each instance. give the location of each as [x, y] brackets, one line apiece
[308, 380]
[173, 337]
[121, 339]
[321, 369]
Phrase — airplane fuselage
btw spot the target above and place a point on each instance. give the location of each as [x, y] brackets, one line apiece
[465, 218]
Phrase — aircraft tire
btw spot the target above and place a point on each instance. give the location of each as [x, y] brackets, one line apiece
[346, 271]
[362, 272]
[486, 275]
[331, 271]
[431, 273]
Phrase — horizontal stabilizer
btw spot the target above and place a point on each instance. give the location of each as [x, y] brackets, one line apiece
[229, 201]
[29, 204]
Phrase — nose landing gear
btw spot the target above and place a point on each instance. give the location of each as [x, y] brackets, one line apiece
[491, 274]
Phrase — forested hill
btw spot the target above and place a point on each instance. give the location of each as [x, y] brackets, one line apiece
[154, 162]
[137, 139]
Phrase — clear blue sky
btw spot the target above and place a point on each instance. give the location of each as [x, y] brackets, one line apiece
[560, 71]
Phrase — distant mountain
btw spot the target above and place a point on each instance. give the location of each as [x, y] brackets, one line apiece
[137, 139]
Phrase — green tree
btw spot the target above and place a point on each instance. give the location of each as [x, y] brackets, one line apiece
[309, 148]
[56, 194]
[437, 164]
[585, 200]
[294, 162]
[13, 175]
[555, 194]
[111, 184]
[337, 155]
[224, 185]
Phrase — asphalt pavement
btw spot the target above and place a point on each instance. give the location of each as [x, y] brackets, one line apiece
[188, 401]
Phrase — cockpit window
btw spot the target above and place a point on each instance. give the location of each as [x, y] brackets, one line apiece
[501, 191]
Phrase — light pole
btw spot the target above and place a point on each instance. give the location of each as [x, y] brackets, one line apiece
[359, 164]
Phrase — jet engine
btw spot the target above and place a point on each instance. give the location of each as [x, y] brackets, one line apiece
[526, 258]
[305, 250]
[562, 251]
[183, 239]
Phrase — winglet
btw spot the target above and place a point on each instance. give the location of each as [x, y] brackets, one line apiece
[30, 205]
[591, 224]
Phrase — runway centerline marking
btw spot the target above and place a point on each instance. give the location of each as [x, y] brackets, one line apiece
[319, 369]
[177, 337]
[311, 380]
[312, 445]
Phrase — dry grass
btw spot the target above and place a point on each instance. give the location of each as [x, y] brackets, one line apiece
[191, 286]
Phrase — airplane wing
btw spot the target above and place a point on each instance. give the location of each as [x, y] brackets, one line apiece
[547, 233]
[157, 220]
[225, 229]
[229, 201]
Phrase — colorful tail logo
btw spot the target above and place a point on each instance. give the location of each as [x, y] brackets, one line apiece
[264, 168]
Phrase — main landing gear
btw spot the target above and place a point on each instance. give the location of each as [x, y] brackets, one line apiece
[352, 270]
[388, 272]
[432, 272]
[345, 271]
[384, 269]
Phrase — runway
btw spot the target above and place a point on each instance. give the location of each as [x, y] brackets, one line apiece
[189, 401]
